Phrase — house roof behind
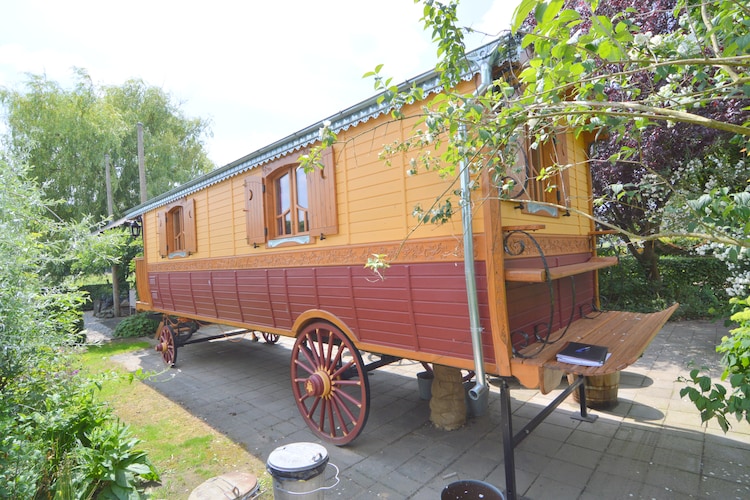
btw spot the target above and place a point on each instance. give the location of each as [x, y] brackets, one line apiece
[505, 48]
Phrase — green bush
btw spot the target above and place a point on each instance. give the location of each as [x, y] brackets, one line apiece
[137, 325]
[697, 283]
[714, 399]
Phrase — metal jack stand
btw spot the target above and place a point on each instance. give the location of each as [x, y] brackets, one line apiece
[510, 441]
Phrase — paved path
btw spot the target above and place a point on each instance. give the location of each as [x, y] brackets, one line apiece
[650, 446]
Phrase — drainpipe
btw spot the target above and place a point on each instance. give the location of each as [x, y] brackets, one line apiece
[480, 387]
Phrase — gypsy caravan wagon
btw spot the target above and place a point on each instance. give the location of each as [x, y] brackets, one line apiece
[262, 245]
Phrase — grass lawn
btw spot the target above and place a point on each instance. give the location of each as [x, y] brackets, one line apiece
[185, 450]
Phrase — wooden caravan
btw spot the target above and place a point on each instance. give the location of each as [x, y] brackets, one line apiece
[261, 245]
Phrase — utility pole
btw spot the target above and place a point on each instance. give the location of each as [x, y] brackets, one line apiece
[141, 165]
[110, 212]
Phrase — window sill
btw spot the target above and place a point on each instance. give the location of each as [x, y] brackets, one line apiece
[292, 240]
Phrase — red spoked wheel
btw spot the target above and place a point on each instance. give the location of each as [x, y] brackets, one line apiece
[270, 338]
[166, 346]
[330, 383]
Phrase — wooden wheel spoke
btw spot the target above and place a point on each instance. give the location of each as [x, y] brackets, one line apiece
[307, 367]
[307, 353]
[343, 369]
[341, 405]
[345, 395]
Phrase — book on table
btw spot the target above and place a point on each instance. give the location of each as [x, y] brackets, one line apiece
[576, 353]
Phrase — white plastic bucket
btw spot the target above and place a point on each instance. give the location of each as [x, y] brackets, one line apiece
[297, 471]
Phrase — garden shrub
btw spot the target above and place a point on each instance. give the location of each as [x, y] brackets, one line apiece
[714, 399]
[137, 325]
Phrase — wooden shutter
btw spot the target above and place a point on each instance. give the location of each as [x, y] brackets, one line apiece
[188, 222]
[321, 185]
[161, 227]
[254, 211]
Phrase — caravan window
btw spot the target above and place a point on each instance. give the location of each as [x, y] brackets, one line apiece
[525, 182]
[290, 201]
[176, 227]
[284, 205]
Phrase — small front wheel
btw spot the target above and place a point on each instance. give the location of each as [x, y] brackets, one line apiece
[330, 383]
[270, 338]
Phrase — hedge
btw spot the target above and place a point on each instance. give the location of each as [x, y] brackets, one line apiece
[697, 283]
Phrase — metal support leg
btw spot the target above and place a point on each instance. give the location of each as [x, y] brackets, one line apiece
[584, 416]
[508, 441]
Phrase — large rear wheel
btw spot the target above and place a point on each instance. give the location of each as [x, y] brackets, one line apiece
[166, 345]
[330, 383]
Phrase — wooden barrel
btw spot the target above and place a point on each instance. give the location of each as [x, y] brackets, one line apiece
[601, 390]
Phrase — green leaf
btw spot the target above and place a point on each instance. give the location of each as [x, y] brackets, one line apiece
[521, 13]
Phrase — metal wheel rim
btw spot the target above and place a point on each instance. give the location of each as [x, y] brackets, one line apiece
[330, 383]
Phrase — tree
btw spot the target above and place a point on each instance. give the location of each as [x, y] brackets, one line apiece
[64, 134]
[693, 75]
[663, 150]
[56, 438]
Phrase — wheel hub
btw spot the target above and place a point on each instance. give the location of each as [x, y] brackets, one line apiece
[319, 384]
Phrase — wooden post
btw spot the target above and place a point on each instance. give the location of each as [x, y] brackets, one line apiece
[110, 212]
[141, 165]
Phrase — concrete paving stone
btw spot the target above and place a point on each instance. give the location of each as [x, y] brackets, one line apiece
[612, 486]
[712, 487]
[581, 456]
[632, 432]
[544, 487]
[421, 467]
[727, 468]
[548, 430]
[673, 479]
[678, 459]
[524, 479]
[622, 466]
[428, 492]
[472, 465]
[567, 471]
[402, 484]
[660, 492]
[589, 440]
[537, 444]
[603, 426]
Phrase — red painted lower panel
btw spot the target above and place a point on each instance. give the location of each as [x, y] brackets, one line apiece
[418, 307]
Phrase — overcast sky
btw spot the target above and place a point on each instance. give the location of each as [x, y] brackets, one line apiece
[258, 70]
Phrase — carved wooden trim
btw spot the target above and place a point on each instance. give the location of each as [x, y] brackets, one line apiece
[440, 250]
[550, 244]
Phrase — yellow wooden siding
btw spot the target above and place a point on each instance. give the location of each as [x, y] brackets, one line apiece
[151, 245]
[220, 221]
[374, 202]
[238, 215]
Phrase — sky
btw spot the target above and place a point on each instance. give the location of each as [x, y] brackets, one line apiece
[258, 70]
